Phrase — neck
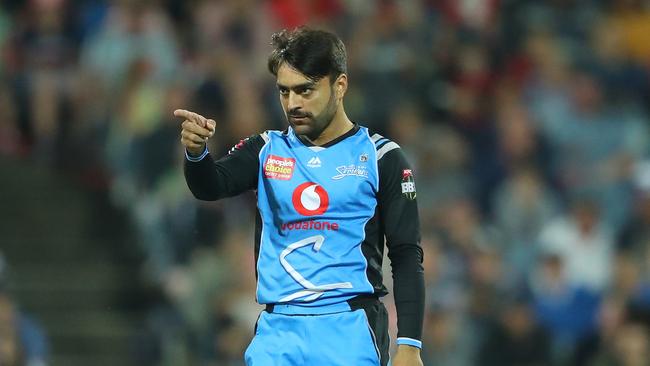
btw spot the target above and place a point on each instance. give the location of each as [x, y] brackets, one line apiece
[340, 125]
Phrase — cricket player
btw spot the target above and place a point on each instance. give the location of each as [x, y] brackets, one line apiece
[331, 195]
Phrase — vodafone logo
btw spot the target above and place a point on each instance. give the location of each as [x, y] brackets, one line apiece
[310, 199]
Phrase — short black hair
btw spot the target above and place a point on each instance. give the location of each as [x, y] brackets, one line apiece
[314, 53]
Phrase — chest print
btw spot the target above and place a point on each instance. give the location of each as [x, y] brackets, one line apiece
[351, 171]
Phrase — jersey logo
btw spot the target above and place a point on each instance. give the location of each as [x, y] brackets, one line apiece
[363, 157]
[310, 199]
[310, 225]
[408, 185]
[351, 170]
[314, 162]
[277, 167]
[311, 291]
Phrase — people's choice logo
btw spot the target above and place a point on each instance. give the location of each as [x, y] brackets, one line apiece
[277, 167]
[310, 199]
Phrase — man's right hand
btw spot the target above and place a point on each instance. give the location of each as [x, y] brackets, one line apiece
[196, 130]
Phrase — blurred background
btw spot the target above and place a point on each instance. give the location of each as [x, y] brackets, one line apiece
[527, 123]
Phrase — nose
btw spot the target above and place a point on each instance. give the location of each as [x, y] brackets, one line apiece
[295, 101]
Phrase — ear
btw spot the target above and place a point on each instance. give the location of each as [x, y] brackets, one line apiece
[341, 86]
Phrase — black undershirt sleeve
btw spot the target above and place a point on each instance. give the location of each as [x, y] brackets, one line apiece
[229, 176]
[400, 224]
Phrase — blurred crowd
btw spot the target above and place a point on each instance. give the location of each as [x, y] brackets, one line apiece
[527, 122]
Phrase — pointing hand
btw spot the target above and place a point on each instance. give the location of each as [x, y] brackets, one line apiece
[196, 130]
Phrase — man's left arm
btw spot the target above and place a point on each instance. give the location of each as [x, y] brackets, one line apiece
[400, 224]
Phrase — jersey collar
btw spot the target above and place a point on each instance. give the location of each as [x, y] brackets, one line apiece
[351, 132]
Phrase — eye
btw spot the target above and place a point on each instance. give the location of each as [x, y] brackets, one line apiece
[305, 91]
[283, 91]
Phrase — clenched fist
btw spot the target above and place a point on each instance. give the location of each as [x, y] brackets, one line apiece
[196, 130]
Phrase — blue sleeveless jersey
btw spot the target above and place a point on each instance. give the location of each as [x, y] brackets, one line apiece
[314, 204]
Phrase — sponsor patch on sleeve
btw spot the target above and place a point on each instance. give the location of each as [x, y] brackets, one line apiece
[408, 184]
[277, 167]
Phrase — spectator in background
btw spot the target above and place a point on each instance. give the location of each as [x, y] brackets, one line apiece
[626, 82]
[566, 310]
[449, 338]
[627, 283]
[462, 240]
[634, 238]
[598, 148]
[523, 205]
[629, 347]
[518, 140]
[132, 32]
[584, 244]
[442, 163]
[611, 317]
[515, 338]
[632, 19]
[385, 41]
[625, 303]
[487, 285]
[41, 61]
[546, 85]
[522, 167]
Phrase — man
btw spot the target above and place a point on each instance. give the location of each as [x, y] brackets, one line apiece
[328, 192]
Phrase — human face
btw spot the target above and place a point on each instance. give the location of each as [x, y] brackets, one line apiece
[310, 106]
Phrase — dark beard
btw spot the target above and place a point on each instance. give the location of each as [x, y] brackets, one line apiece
[324, 119]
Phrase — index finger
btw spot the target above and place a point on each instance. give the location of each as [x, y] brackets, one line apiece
[191, 116]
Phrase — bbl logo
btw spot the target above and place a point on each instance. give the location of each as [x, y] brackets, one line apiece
[408, 184]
